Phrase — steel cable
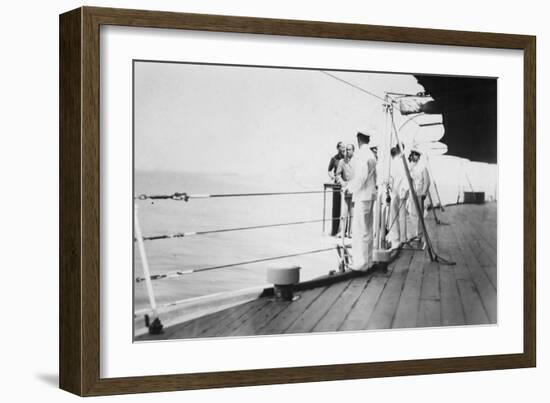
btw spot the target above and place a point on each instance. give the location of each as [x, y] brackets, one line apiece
[178, 273]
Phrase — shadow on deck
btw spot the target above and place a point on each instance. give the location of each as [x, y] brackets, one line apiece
[413, 293]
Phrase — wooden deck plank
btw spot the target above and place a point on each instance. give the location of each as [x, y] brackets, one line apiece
[407, 309]
[234, 317]
[486, 291]
[256, 320]
[451, 310]
[292, 312]
[200, 327]
[452, 313]
[360, 313]
[313, 313]
[335, 316]
[484, 287]
[487, 232]
[488, 265]
[384, 311]
[481, 257]
[454, 251]
[473, 308]
[429, 309]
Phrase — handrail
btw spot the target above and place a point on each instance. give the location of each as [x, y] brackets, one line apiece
[215, 231]
[185, 196]
[178, 273]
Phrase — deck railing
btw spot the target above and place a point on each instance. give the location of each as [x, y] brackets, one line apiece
[155, 324]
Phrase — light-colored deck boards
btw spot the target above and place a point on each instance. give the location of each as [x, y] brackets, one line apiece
[207, 326]
[479, 256]
[429, 309]
[487, 227]
[360, 313]
[413, 293]
[258, 319]
[292, 312]
[452, 313]
[384, 311]
[473, 308]
[313, 314]
[483, 285]
[216, 327]
[335, 316]
[407, 310]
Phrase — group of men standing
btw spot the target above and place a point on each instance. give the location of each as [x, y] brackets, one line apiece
[355, 174]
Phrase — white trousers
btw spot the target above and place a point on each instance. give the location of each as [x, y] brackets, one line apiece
[347, 211]
[415, 218]
[362, 239]
[398, 220]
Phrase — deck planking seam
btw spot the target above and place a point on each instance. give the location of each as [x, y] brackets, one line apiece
[194, 328]
[383, 313]
[405, 314]
[256, 321]
[482, 278]
[353, 306]
[333, 319]
[458, 258]
[488, 237]
[219, 329]
[452, 310]
[474, 276]
[429, 307]
[363, 308]
[305, 323]
[289, 315]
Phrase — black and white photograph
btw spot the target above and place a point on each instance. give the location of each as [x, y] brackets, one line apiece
[270, 200]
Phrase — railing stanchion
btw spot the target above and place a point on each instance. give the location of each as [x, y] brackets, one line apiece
[155, 326]
[324, 205]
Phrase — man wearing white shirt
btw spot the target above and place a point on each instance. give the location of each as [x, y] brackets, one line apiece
[421, 181]
[363, 188]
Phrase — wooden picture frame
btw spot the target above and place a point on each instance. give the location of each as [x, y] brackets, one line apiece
[79, 346]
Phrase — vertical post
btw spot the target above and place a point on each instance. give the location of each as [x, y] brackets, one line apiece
[324, 205]
[343, 229]
[154, 327]
[384, 161]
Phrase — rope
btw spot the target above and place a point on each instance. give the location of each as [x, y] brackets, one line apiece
[353, 85]
[215, 231]
[184, 272]
[185, 197]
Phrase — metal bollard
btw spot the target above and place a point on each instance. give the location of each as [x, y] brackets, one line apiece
[283, 279]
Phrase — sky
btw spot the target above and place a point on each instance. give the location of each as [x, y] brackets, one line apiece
[258, 120]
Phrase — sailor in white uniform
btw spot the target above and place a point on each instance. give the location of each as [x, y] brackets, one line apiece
[363, 188]
[399, 194]
[421, 181]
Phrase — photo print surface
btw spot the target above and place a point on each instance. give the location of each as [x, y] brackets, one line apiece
[271, 200]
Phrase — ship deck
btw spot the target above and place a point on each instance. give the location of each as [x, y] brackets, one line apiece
[413, 292]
